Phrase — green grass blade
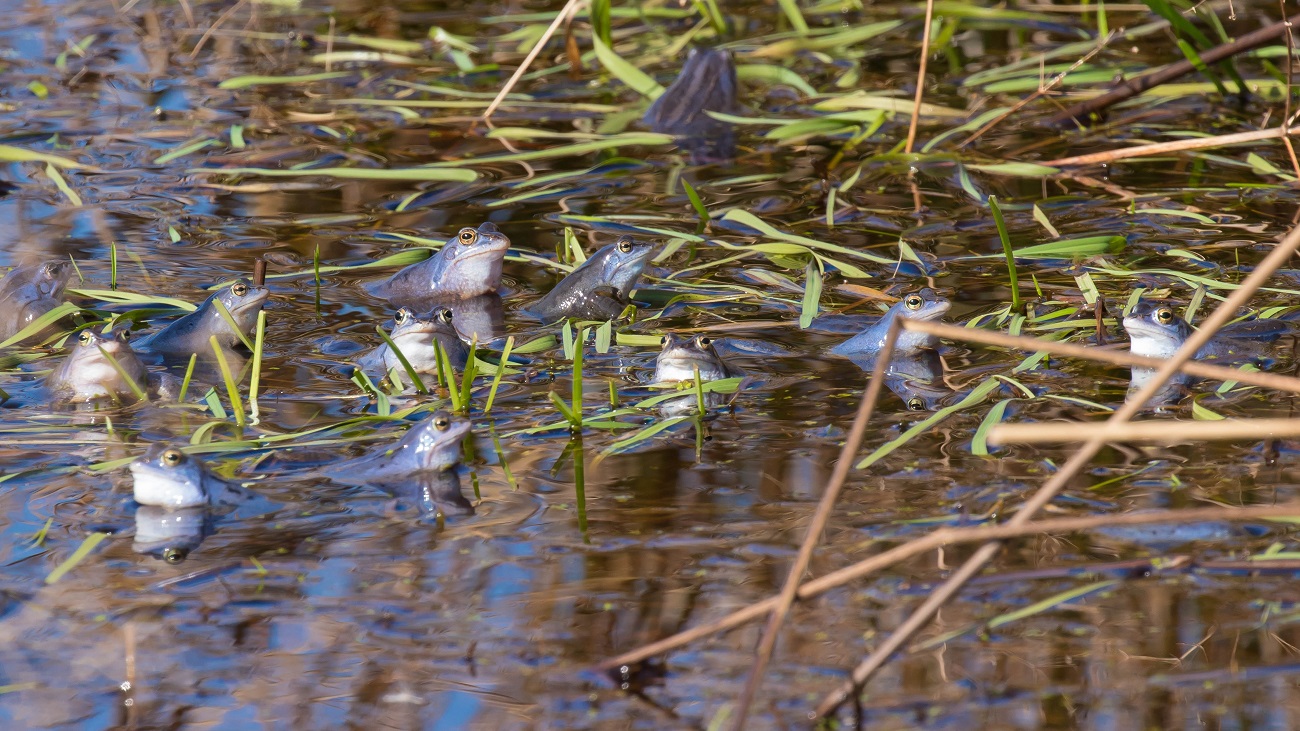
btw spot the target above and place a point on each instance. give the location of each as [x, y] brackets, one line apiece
[1001, 222]
[135, 387]
[232, 390]
[79, 555]
[256, 379]
[230, 320]
[189, 374]
[501, 369]
[401, 358]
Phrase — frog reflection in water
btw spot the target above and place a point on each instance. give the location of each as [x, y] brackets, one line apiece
[167, 478]
[415, 335]
[707, 83]
[468, 265]
[915, 372]
[678, 362]
[599, 289]
[1156, 331]
[923, 305]
[88, 374]
[27, 292]
[191, 334]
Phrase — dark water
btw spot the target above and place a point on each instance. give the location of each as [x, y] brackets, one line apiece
[324, 607]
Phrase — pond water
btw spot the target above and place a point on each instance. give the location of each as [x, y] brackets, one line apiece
[329, 607]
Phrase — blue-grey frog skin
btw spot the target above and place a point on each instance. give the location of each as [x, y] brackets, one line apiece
[468, 265]
[87, 374]
[27, 292]
[677, 362]
[1156, 331]
[600, 288]
[707, 83]
[415, 335]
[168, 478]
[431, 445]
[923, 305]
[190, 334]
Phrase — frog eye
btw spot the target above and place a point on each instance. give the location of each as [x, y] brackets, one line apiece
[401, 315]
[124, 335]
[704, 341]
[441, 422]
[913, 302]
[85, 337]
[468, 236]
[663, 342]
[445, 316]
[1164, 315]
[173, 457]
[239, 289]
[915, 404]
[625, 246]
[174, 555]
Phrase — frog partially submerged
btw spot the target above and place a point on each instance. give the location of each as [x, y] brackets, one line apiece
[430, 446]
[468, 265]
[415, 335]
[678, 362]
[165, 477]
[707, 83]
[27, 292]
[190, 334]
[923, 305]
[87, 374]
[1156, 331]
[600, 288]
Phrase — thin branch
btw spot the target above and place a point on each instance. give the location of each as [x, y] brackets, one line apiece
[1162, 431]
[920, 84]
[1162, 148]
[817, 525]
[949, 537]
[569, 8]
[1085, 112]
[1226, 310]
[1114, 357]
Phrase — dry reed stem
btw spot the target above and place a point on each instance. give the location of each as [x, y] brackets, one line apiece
[1161, 431]
[1161, 148]
[948, 537]
[815, 528]
[568, 9]
[921, 615]
[920, 82]
[1113, 357]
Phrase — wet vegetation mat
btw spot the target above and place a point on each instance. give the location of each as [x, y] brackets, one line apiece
[614, 364]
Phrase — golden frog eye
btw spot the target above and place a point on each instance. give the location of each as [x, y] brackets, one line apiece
[625, 246]
[441, 422]
[1164, 315]
[174, 555]
[704, 341]
[239, 289]
[913, 302]
[173, 457]
[445, 316]
[468, 236]
[915, 404]
[400, 317]
[85, 337]
[663, 342]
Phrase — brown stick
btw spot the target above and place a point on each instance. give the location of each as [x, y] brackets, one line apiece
[569, 8]
[938, 539]
[1114, 357]
[818, 525]
[259, 271]
[1085, 112]
[939, 597]
[1164, 148]
[1162, 431]
[916, 103]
